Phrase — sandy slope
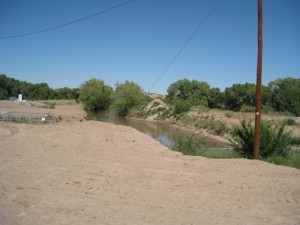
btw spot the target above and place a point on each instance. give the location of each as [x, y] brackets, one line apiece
[97, 173]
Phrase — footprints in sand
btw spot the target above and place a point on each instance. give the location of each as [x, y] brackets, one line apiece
[86, 187]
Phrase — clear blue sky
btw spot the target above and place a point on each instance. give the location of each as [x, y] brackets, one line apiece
[137, 41]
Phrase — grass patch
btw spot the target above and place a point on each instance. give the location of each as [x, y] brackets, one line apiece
[155, 104]
[220, 154]
[188, 146]
[205, 122]
[291, 160]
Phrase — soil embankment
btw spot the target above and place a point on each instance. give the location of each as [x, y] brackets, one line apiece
[97, 173]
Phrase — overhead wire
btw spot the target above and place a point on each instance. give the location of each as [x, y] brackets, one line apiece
[184, 45]
[69, 23]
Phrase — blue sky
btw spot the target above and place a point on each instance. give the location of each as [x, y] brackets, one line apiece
[137, 41]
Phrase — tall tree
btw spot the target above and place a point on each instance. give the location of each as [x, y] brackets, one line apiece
[127, 96]
[194, 92]
[95, 95]
[239, 95]
[285, 95]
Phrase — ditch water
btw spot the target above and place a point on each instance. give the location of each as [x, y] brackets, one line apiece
[167, 134]
[164, 133]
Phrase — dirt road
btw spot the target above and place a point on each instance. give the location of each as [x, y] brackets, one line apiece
[91, 173]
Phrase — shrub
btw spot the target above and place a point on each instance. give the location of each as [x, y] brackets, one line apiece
[128, 96]
[290, 122]
[188, 146]
[291, 160]
[216, 127]
[95, 95]
[295, 141]
[273, 141]
[155, 104]
[247, 108]
[181, 106]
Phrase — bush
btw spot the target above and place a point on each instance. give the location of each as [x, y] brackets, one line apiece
[188, 146]
[95, 95]
[155, 104]
[181, 106]
[295, 141]
[273, 141]
[291, 160]
[128, 96]
[290, 122]
[215, 126]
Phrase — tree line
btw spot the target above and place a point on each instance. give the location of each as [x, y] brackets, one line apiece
[10, 87]
[279, 95]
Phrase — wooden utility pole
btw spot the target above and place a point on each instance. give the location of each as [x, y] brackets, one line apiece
[258, 81]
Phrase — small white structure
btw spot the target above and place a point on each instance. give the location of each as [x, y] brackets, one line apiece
[20, 97]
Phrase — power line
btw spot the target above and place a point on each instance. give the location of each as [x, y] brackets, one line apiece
[185, 44]
[69, 23]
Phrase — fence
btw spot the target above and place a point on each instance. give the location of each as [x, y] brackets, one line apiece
[27, 117]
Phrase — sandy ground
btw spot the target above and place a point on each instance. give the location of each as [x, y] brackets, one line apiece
[96, 173]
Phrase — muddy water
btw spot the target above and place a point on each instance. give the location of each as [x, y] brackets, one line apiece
[164, 133]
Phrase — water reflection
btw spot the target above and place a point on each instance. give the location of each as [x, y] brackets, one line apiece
[161, 132]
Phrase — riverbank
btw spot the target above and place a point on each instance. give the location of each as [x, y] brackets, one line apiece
[91, 172]
[212, 126]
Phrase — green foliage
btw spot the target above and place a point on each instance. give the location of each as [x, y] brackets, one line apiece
[239, 95]
[216, 98]
[128, 96]
[220, 154]
[67, 93]
[295, 141]
[215, 126]
[247, 108]
[290, 122]
[188, 146]
[273, 141]
[95, 95]
[291, 160]
[155, 104]
[10, 87]
[285, 95]
[281, 95]
[192, 92]
[181, 106]
[205, 122]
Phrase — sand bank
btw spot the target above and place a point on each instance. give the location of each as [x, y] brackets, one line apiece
[96, 173]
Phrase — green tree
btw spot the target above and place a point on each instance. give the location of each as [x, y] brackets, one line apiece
[215, 99]
[285, 95]
[67, 93]
[95, 95]
[195, 92]
[239, 95]
[6, 85]
[128, 96]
